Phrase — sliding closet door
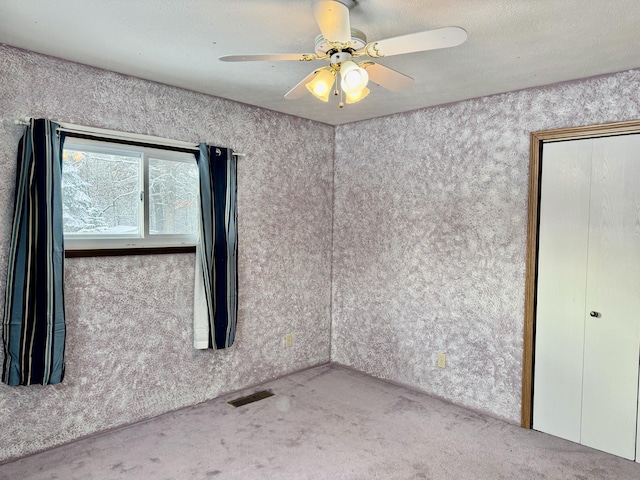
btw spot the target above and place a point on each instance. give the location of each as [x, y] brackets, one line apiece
[562, 271]
[612, 323]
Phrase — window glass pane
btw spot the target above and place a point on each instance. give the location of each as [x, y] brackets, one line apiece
[173, 197]
[128, 196]
[101, 192]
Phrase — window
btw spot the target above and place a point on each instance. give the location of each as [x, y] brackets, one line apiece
[122, 196]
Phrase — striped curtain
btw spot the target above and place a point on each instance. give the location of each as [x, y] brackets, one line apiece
[33, 325]
[216, 283]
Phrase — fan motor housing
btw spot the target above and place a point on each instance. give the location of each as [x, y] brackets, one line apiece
[348, 3]
[358, 42]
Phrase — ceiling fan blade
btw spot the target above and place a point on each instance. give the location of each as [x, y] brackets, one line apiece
[387, 77]
[300, 89]
[333, 20]
[417, 42]
[269, 57]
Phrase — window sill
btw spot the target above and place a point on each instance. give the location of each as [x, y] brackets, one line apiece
[115, 252]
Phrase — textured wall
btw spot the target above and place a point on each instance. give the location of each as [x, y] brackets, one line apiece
[129, 344]
[429, 240]
[430, 211]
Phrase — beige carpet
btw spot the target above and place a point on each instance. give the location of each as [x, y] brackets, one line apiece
[324, 423]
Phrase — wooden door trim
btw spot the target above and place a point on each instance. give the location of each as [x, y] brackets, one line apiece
[538, 139]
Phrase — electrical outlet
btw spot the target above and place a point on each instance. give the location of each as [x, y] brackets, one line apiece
[442, 360]
[288, 340]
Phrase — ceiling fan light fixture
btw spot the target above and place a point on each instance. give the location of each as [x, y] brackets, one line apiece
[353, 78]
[339, 44]
[320, 86]
[357, 96]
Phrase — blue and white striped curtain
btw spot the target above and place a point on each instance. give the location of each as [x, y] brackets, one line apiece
[216, 283]
[33, 324]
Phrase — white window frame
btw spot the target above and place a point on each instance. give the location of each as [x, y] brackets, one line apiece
[96, 241]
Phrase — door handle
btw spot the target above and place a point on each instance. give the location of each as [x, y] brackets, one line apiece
[595, 314]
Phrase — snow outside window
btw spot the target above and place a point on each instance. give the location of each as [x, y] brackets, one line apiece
[123, 196]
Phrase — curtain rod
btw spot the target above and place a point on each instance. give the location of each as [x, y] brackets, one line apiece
[113, 134]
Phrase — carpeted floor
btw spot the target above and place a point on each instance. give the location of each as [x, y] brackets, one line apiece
[324, 423]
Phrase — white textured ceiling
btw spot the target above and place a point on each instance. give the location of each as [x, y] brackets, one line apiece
[512, 44]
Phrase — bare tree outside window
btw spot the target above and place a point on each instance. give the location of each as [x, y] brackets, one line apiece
[101, 192]
[104, 194]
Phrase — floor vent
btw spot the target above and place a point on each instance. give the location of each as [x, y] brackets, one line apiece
[254, 397]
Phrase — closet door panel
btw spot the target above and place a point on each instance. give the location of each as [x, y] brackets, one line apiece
[562, 269]
[638, 430]
[612, 335]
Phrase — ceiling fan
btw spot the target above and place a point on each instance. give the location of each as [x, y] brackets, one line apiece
[340, 44]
